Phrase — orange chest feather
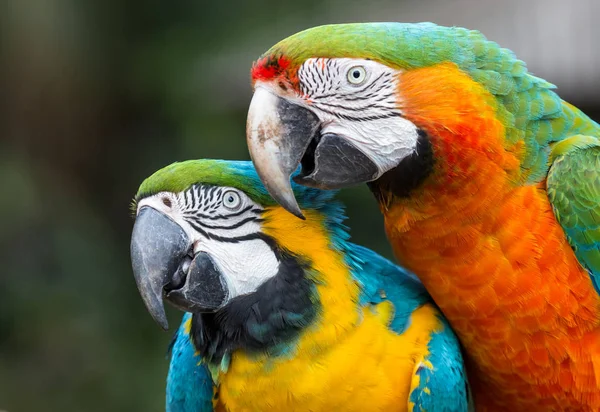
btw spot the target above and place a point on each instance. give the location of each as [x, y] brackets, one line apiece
[494, 257]
[513, 291]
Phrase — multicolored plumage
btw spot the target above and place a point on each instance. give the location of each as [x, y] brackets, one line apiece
[488, 181]
[302, 319]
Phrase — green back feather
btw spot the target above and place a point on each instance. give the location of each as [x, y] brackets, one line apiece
[574, 191]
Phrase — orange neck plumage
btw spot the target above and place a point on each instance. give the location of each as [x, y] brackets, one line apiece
[492, 254]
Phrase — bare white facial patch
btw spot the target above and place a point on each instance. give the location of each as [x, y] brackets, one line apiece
[225, 223]
[358, 99]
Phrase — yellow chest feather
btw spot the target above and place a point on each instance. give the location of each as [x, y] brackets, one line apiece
[369, 368]
[349, 360]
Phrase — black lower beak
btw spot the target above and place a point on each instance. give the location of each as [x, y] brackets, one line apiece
[334, 163]
[163, 268]
[204, 289]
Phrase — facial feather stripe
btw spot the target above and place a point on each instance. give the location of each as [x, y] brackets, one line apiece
[325, 83]
[218, 213]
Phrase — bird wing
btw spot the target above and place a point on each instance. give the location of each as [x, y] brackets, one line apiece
[573, 186]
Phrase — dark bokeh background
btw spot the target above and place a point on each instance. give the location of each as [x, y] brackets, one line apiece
[96, 95]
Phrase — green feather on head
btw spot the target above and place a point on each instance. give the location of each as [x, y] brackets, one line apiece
[180, 176]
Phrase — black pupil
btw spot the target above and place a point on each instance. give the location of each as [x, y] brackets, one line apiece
[356, 74]
[230, 199]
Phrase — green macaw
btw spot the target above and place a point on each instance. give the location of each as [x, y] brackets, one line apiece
[489, 184]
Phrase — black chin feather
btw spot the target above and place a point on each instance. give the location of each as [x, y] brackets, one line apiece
[275, 313]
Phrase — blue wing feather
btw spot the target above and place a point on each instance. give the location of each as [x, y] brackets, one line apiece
[189, 383]
[442, 378]
[380, 280]
[443, 385]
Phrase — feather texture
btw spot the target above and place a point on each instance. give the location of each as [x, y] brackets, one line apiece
[511, 259]
[574, 191]
[375, 328]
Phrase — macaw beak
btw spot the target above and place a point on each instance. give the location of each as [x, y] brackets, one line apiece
[163, 268]
[282, 135]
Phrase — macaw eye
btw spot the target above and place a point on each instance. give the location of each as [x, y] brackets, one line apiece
[231, 200]
[357, 75]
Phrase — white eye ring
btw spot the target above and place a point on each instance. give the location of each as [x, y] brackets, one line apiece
[356, 75]
[232, 200]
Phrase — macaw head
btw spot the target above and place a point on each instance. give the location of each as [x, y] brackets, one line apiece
[352, 103]
[208, 236]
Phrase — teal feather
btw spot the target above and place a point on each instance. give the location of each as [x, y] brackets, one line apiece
[189, 383]
[377, 275]
[444, 380]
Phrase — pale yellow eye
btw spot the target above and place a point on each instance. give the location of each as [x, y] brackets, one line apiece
[357, 75]
[232, 200]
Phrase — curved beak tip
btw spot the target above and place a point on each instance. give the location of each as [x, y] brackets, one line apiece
[151, 293]
[154, 305]
[296, 212]
[278, 134]
[161, 320]
[287, 200]
[164, 324]
[157, 246]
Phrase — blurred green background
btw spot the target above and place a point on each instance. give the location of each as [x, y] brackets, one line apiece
[96, 95]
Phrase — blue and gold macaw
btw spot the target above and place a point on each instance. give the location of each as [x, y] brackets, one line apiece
[288, 315]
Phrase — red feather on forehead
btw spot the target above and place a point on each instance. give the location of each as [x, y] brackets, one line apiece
[279, 69]
[268, 68]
